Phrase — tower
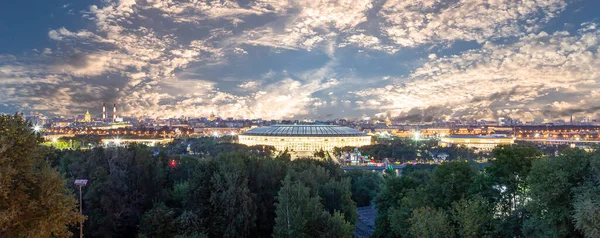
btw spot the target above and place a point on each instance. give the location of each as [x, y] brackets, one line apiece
[571, 121]
[211, 117]
[87, 117]
[103, 111]
[114, 112]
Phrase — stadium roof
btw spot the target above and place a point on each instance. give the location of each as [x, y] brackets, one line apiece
[304, 130]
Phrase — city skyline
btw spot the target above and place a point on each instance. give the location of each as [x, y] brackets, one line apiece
[408, 60]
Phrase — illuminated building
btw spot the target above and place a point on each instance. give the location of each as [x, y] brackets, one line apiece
[304, 139]
[485, 143]
[148, 142]
[113, 126]
[87, 117]
[212, 117]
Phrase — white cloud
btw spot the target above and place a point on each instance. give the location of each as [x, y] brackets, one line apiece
[516, 74]
[415, 22]
[152, 55]
[312, 23]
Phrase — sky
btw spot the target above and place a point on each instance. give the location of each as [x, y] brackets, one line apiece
[411, 60]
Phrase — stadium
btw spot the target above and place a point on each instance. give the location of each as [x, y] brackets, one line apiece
[304, 140]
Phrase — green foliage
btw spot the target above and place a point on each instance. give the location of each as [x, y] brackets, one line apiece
[553, 184]
[232, 198]
[520, 194]
[586, 206]
[34, 201]
[300, 214]
[508, 173]
[473, 217]
[449, 182]
[158, 221]
[427, 222]
[365, 186]
[394, 190]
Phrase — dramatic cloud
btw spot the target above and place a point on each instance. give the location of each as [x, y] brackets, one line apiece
[415, 22]
[525, 79]
[415, 60]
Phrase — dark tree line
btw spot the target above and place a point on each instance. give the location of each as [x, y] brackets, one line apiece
[522, 193]
[237, 193]
[403, 150]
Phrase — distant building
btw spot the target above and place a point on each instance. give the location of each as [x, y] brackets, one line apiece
[303, 140]
[485, 143]
[87, 117]
[501, 121]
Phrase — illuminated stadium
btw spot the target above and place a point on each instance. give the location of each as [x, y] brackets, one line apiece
[304, 139]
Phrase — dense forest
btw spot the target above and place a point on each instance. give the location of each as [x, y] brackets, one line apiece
[210, 187]
[522, 193]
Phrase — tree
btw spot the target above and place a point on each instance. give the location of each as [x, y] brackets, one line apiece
[294, 208]
[365, 186]
[298, 214]
[427, 222]
[509, 173]
[34, 201]
[449, 182]
[394, 189]
[231, 196]
[158, 221]
[586, 206]
[473, 217]
[552, 182]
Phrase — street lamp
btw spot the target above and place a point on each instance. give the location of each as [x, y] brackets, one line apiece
[80, 183]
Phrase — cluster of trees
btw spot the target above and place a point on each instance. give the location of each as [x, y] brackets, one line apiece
[34, 201]
[520, 194]
[133, 193]
[405, 150]
[222, 190]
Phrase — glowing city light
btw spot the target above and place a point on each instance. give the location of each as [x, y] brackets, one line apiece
[37, 128]
[417, 135]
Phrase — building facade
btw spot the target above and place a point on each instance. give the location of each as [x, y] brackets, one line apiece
[304, 138]
[484, 143]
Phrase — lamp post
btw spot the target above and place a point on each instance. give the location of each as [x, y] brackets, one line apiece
[80, 183]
